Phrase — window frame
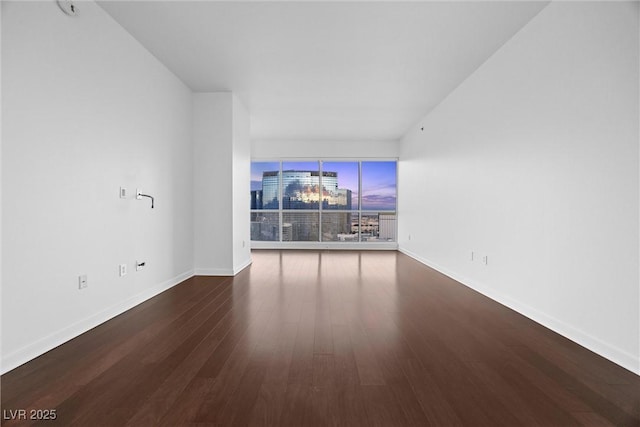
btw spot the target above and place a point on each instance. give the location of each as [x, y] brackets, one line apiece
[359, 244]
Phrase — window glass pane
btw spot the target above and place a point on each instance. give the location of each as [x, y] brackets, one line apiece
[338, 190]
[378, 227]
[300, 185]
[355, 224]
[369, 227]
[265, 185]
[379, 186]
[339, 185]
[300, 226]
[265, 226]
[338, 227]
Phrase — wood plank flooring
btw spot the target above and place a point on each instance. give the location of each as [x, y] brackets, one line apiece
[318, 338]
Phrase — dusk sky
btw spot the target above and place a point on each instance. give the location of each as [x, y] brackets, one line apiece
[378, 179]
[379, 185]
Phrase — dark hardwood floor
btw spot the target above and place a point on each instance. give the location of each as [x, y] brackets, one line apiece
[323, 338]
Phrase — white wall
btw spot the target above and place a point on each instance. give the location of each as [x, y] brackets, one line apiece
[533, 161]
[221, 184]
[270, 149]
[213, 213]
[86, 110]
[241, 186]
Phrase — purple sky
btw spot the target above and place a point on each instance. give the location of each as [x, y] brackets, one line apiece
[378, 179]
[379, 185]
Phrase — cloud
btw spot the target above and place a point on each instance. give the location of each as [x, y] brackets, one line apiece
[378, 201]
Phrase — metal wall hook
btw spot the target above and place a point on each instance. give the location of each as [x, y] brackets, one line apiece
[139, 196]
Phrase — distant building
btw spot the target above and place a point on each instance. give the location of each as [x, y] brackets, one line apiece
[270, 192]
[338, 199]
[301, 190]
[287, 232]
[336, 226]
[369, 227]
[264, 227]
[256, 199]
[387, 227]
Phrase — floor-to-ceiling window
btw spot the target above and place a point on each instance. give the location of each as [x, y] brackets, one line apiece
[321, 201]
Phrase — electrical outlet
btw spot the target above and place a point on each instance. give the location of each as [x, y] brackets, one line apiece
[123, 270]
[140, 265]
[123, 193]
[82, 281]
[138, 194]
[485, 259]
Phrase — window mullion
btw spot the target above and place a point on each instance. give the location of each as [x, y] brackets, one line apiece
[280, 203]
[320, 165]
[360, 201]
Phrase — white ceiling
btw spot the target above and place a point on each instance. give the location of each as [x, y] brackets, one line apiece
[325, 70]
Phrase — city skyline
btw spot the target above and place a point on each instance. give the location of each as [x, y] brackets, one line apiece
[378, 179]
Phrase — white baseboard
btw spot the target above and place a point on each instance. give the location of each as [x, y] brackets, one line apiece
[31, 351]
[223, 271]
[606, 350]
[237, 269]
[214, 272]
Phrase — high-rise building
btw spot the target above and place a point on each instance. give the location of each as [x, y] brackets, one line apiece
[387, 227]
[301, 190]
[270, 192]
[336, 226]
[256, 199]
[265, 226]
[338, 199]
[287, 232]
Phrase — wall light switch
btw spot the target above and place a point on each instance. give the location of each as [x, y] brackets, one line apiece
[123, 193]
